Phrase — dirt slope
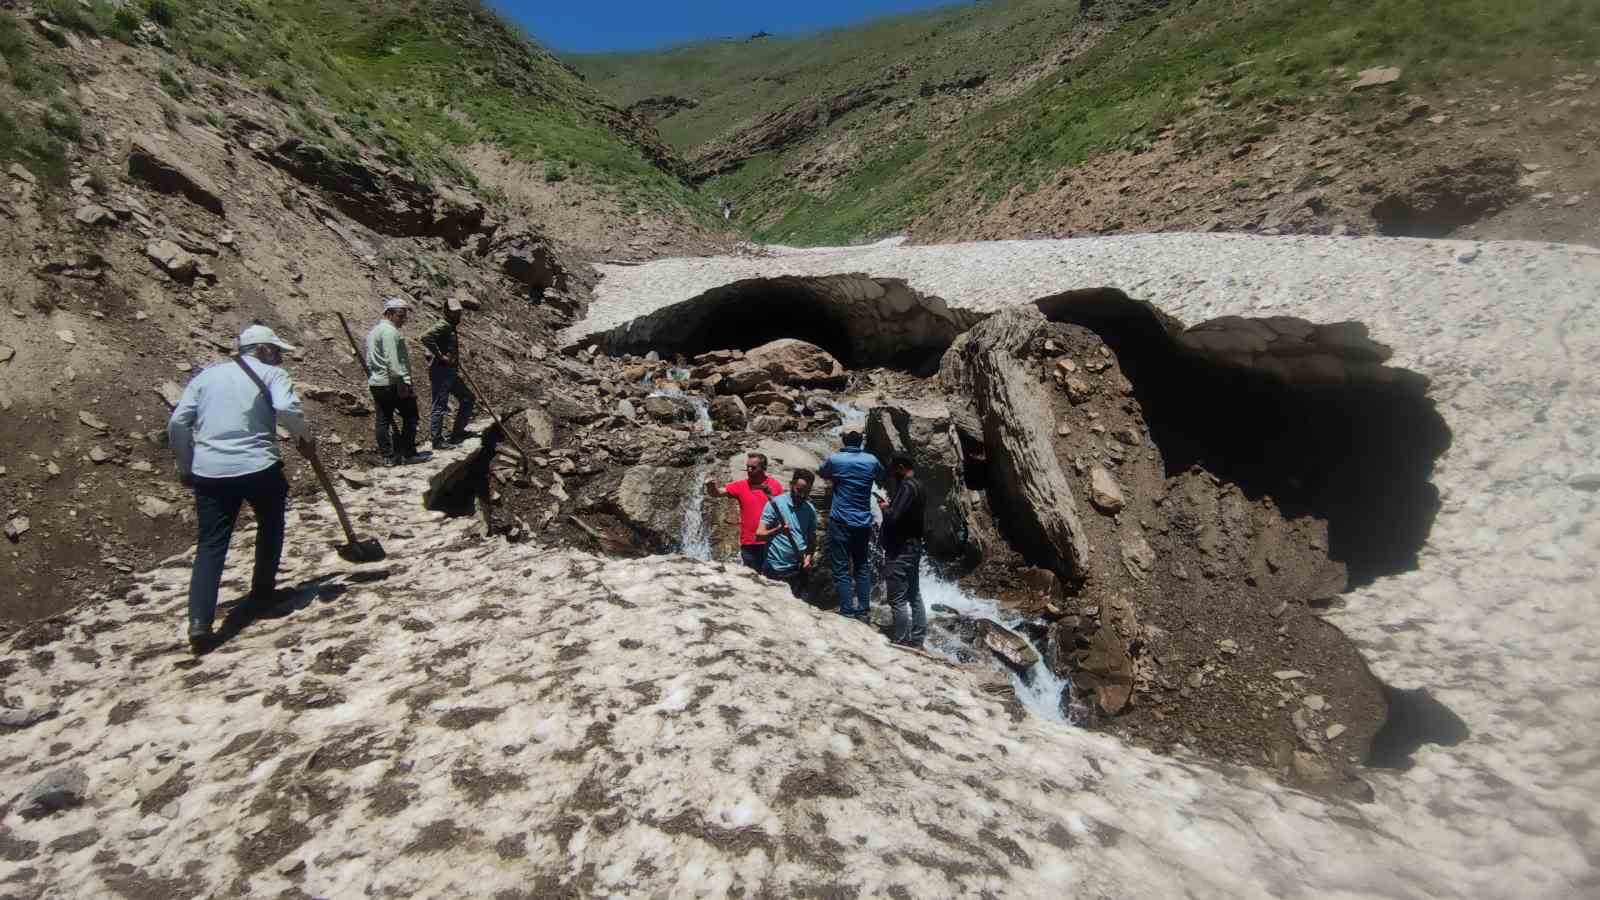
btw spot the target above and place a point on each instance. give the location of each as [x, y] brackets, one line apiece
[195, 201]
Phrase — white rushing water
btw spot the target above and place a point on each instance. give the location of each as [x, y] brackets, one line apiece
[851, 417]
[695, 536]
[702, 410]
[1043, 692]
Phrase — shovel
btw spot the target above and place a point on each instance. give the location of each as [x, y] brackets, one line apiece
[358, 550]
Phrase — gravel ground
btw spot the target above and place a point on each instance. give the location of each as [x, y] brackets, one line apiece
[1497, 621]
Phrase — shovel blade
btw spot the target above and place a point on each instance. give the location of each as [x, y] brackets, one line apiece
[363, 550]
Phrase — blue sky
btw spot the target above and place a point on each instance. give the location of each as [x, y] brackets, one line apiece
[577, 26]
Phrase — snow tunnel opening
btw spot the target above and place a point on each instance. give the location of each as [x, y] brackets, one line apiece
[863, 321]
[1306, 414]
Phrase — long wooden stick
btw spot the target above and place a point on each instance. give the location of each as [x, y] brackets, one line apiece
[522, 468]
[360, 358]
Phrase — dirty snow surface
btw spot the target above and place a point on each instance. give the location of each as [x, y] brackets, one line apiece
[485, 719]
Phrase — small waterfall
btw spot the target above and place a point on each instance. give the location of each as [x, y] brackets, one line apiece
[1043, 692]
[695, 536]
[851, 417]
[702, 410]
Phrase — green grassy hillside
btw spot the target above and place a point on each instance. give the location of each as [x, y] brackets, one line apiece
[1215, 69]
[419, 78]
[738, 81]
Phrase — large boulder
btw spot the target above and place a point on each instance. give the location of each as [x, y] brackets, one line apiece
[1027, 487]
[797, 363]
[526, 258]
[157, 165]
[925, 433]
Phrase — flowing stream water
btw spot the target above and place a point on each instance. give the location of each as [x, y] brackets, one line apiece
[695, 536]
[1045, 694]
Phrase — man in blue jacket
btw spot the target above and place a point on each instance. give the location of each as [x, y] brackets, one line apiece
[852, 471]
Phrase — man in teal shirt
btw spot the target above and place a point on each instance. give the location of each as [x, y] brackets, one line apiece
[789, 526]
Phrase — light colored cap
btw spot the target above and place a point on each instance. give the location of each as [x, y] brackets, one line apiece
[453, 305]
[261, 334]
[395, 303]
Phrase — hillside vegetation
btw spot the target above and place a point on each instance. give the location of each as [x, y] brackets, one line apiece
[421, 80]
[988, 98]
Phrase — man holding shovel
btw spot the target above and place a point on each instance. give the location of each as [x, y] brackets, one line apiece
[224, 436]
[442, 343]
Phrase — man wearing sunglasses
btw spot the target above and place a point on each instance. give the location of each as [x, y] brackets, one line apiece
[753, 493]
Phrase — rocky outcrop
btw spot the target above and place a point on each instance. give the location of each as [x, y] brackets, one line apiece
[653, 109]
[777, 130]
[925, 433]
[527, 258]
[1027, 487]
[387, 200]
[1443, 198]
[154, 163]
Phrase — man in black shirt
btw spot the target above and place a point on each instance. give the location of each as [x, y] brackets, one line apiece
[441, 341]
[902, 551]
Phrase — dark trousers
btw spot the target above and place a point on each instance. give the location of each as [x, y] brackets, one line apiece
[850, 558]
[447, 383]
[216, 506]
[905, 594]
[796, 580]
[395, 444]
[754, 556]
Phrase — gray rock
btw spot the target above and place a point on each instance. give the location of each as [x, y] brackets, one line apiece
[665, 408]
[152, 162]
[730, 413]
[178, 263]
[1138, 556]
[170, 394]
[94, 215]
[17, 527]
[91, 420]
[1008, 646]
[58, 790]
[539, 426]
[771, 424]
[625, 408]
[155, 507]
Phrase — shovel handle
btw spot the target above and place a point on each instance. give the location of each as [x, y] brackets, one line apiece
[355, 350]
[333, 495]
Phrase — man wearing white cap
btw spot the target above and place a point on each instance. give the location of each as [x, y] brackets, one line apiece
[224, 433]
[389, 379]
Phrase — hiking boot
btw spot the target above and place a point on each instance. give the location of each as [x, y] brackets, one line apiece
[418, 458]
[200, 637]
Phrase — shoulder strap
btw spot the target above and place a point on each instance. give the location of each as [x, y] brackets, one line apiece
[794, 528]
[266, 394]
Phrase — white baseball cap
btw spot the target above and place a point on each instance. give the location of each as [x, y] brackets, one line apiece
[395, 303]
[261, 334]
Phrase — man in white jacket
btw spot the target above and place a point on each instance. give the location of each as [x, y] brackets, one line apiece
[224, 436]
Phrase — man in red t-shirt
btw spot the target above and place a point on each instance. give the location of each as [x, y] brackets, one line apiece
[752, 493]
